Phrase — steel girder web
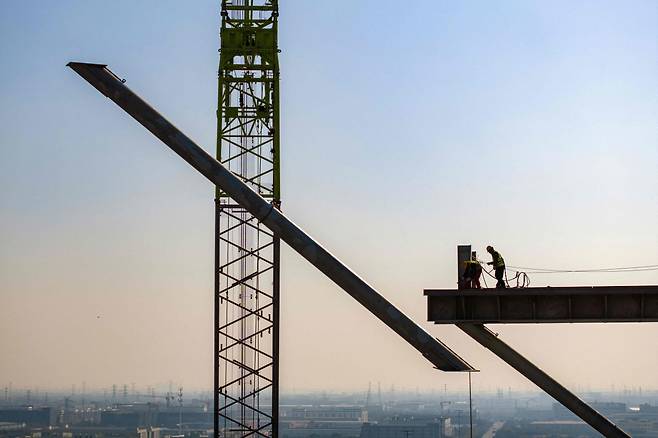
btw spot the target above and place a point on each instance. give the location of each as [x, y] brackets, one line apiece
[441, 356]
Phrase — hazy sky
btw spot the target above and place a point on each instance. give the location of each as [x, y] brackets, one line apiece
[407, 128]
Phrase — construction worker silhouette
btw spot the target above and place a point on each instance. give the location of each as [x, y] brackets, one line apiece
[472, 273]
[499, 265]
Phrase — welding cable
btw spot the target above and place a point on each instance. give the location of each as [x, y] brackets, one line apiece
[522, 279]
[518, 276]
[489, 273]
[484, 279]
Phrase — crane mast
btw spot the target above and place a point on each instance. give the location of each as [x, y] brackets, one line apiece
[247, 254]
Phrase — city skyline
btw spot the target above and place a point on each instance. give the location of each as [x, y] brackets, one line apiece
[106, 265]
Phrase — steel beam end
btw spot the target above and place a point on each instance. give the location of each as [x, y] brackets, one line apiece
[96, 75]
[444, 359]
[74, 65]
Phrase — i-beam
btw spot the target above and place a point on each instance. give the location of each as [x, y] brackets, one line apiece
[543, 305]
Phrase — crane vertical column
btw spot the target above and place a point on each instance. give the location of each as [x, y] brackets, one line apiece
[247, 255]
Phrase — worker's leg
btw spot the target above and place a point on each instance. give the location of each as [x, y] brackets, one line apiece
[476, 278]
[500, 274]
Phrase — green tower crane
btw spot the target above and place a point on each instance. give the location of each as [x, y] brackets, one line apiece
[247, 256]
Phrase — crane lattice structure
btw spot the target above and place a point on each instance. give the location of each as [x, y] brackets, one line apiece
[247, 260]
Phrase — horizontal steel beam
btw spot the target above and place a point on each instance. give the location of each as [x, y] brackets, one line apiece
[543, 305]
[111, 86]
[491, 341]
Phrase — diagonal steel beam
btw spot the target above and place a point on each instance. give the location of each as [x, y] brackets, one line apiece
[111, 86]
[490, 340]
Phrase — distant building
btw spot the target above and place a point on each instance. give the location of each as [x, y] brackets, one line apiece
[609, 408]
[322, 421]
[646, 408]
[147, 415]
[192, 417]
[7, 428]
[149, 432]
[605, 408]
[130, 416]
[31, 416]
[340, 413]
[555, 428]
[430, 430]
[125, 420]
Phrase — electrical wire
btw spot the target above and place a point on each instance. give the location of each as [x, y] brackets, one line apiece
[568, 271]
[522, 280]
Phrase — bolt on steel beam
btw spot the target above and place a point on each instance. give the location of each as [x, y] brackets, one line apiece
[490, 340]
[441, 356]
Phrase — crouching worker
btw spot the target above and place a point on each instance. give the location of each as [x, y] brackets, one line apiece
[472, 273]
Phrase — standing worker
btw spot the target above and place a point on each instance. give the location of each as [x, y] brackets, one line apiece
[499, 265]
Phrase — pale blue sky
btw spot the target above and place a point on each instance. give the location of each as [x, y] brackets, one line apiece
[407, 128]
